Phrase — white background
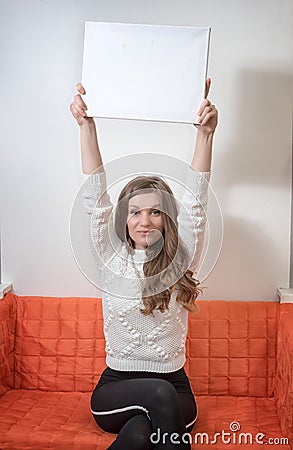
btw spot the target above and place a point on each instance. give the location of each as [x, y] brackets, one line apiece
[251, 69]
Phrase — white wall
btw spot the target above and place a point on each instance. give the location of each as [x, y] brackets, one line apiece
[251, 69]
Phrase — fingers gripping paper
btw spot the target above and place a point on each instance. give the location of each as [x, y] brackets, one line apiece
[145, 72]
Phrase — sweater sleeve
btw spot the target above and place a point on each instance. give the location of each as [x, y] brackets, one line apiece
[99, 209]
[192, 215]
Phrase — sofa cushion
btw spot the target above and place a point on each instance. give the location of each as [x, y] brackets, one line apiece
[59, 344]
[231, 348]
[39, 420]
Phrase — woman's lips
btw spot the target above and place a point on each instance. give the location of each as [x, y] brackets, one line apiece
[144, 233]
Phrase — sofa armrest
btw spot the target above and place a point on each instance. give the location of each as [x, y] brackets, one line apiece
[283, 383]
[7, 339]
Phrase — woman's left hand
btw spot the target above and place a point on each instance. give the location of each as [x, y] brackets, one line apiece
[208, 114]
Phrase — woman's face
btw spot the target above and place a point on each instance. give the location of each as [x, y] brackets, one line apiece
[145, 219]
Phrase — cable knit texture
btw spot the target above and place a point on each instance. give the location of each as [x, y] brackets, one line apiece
[135, 342]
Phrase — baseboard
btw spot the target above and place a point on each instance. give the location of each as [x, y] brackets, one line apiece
[285, 295]
[4, 288]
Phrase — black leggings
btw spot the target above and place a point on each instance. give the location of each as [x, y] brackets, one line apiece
[145, 409]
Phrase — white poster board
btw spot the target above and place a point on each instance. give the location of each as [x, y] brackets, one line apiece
[144, 72]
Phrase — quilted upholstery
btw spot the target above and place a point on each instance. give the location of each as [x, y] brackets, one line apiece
[38, 420]
[59, 346]
[284, 374]
[231, 348]
[59, 343]
[52, 354]
[7, 342]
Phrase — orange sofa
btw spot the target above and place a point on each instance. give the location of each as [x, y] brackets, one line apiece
[239, 360]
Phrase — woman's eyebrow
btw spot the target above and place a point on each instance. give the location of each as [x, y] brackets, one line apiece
[135, 206]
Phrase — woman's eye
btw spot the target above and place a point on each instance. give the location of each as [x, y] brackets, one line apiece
[155, 212]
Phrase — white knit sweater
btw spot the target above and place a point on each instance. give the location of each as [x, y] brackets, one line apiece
[135, 342]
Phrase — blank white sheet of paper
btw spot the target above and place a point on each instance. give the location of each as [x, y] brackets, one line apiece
[144, 72]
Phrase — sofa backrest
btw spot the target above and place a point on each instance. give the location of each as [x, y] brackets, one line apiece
[231, 348]
[283, 381]
[7, 342]
[59, 345]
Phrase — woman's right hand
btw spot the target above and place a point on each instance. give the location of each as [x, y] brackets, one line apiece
[78, 107]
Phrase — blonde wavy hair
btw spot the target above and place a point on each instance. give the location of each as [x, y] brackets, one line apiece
[173, 254]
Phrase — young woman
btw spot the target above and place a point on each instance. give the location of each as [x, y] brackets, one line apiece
[145, 258]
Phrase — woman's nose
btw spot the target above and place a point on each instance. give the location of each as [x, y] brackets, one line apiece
[145, 219]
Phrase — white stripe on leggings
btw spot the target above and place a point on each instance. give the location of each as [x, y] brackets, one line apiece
[194, 420]
[127, 408]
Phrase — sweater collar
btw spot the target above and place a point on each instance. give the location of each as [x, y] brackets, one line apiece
[139, 255]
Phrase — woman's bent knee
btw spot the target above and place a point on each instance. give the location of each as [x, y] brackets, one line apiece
[164, 392]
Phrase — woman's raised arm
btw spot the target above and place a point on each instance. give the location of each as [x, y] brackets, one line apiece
[208, 120]
[90, 152]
